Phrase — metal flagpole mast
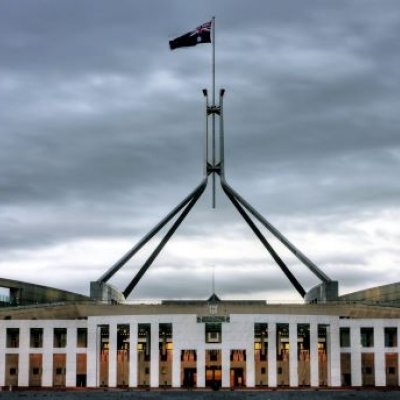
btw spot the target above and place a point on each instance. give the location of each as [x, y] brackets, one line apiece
[213, 114]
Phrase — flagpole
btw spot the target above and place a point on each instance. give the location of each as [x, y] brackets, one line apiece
[213, 60]
[213, 105]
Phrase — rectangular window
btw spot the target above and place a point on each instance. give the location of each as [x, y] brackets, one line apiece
[36, 340]
[60, 337]
[81, 339]
[13, 338]
[344, 337]
[214, 355]
[367, 337]
[391, 337]
[261, 340]
[213, 332]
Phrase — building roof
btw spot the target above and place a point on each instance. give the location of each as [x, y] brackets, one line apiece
[83, 310]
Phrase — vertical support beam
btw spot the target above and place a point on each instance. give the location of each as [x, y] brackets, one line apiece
[176, 366]
[250, 364]
[213, 114]
[379, 355]
[154, 355]
[333, 336]
[293, 374]
[112, 355]
[272, 369]
[23, 361]
[355, 356]
[205, 170]
[70, 378]
[2, 356]
[48, 344]
[133, 355]
[226, 366]
[201, 367]
[398, 353]
[92, 355]
[314, 367]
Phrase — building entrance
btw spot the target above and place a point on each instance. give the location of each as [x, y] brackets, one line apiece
[237, 377]
[213, 369]
[189, 377]
[213, 377]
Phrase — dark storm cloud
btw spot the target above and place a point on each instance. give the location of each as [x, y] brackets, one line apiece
[102, 129]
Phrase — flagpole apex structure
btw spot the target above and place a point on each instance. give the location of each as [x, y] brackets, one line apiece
[213, 115]
[215, 165]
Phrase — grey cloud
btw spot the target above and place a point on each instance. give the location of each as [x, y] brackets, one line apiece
[102, 128]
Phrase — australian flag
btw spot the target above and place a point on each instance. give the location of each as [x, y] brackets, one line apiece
[202, 34]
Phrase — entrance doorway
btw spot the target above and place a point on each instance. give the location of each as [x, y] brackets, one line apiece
[213, 377]
[213, 369]
[189, 377]
[237, 377]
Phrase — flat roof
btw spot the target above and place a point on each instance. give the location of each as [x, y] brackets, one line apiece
[83, 310]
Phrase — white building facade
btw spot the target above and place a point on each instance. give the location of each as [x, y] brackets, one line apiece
[217, 348]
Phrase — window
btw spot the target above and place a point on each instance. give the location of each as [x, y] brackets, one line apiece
[60, 337]
[81, 337]
[13, 337]
[367, 337]
[214, 355]
[391, 337]
[344, 337]
[213, 332]
[36, 338]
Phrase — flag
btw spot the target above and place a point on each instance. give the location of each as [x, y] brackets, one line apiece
[202, 34]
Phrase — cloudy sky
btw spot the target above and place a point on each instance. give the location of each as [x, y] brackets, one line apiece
[102, 127]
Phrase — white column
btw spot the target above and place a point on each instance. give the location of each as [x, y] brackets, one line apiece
[2, 368]
[314, 370]
[2, 355]
[112, 355]
[23, 359]
[250, 364]
[23, 369]
[398, 353]
[379, 356]
[47, 367]
[154, 356]
[133, 356]
[293, 374]
[333, 336]
[355, 356]
[226, 367]
[176, 366]
[201, 367]
[272, 354]
[70, 378]
[93, 355]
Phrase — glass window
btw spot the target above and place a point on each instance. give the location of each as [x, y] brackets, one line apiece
[36, 340]
[60, 337]
[81, 337]
[367, 337]
[344, 337]
[391, 337]
[13, 337]
[213, 332]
